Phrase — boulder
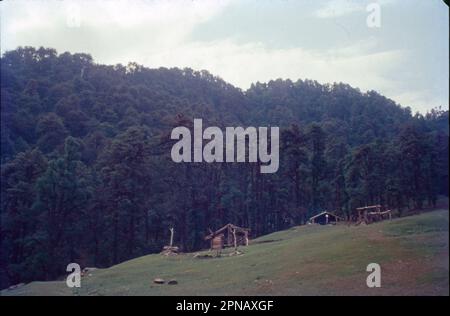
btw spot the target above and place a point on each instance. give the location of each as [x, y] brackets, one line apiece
[158, 281]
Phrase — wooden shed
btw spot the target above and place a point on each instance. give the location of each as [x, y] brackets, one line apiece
[229, 236]
[372, 213]
[325, 218]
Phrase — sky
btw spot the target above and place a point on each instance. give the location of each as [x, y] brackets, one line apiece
[403, 52]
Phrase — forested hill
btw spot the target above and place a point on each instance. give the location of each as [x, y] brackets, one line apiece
[87, 97]
[87, 177]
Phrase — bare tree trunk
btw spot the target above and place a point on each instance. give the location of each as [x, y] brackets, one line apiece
[171, 236]
[234, 239]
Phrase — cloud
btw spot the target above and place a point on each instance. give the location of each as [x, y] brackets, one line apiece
[156, 33]
[243, 64]
[420, 100]
[72, 24]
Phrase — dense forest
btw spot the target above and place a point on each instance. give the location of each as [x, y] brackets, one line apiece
[86, 173]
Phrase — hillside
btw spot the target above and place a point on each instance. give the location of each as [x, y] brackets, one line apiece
[87, 174]
[304, 260]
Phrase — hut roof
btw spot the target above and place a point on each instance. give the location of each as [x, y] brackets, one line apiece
[368, 207]
[323, 213]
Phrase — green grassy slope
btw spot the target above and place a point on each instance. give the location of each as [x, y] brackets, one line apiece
[306, 260]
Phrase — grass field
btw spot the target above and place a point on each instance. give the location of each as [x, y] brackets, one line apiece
[306, 260]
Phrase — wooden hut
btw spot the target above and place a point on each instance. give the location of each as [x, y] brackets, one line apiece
[325, 218]
[372, 213]
[229, 236]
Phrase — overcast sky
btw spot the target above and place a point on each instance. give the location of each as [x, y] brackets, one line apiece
[406, 58]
